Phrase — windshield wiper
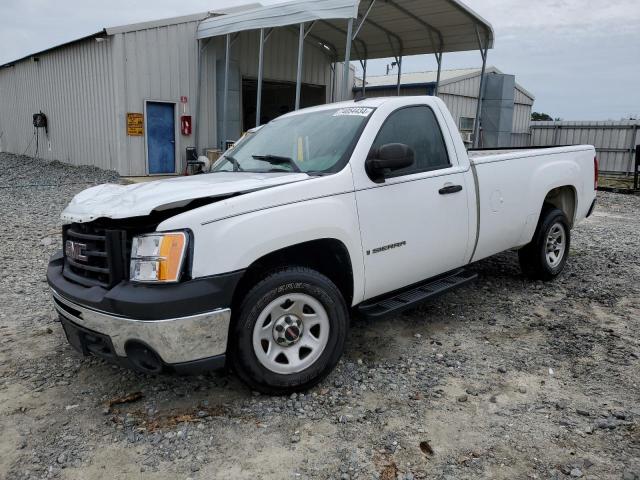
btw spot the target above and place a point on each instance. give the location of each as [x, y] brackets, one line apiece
[234, 162]
[278, 160]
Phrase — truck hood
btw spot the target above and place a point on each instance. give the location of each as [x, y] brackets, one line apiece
[124, 201]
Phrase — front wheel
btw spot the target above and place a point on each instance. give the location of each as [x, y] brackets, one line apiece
[546, 256]
[290, 331]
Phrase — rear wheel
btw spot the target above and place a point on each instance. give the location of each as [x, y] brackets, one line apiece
[546, 256]
[290, 331]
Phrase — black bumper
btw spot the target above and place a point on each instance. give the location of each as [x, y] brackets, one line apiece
[148, 302]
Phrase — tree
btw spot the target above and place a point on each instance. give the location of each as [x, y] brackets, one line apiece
[540, 117]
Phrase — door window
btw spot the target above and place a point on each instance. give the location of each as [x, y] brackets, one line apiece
[418, 128]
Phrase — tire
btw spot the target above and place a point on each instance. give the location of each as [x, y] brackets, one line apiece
[290, 331]
[537, 260]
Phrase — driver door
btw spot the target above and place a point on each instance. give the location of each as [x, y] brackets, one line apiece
[415, 225]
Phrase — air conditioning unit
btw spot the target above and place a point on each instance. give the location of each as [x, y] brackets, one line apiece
[467, 137]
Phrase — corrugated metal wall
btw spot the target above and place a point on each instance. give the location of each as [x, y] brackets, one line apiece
[160, 64]
[88, 88]
[523, 104]
[615, 142]
[74, 87]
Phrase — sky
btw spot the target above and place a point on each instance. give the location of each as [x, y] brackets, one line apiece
[580, 58]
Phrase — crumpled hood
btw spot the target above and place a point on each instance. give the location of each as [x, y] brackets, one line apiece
[124, 201]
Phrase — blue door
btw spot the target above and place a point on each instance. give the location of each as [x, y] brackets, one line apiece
[161, 138]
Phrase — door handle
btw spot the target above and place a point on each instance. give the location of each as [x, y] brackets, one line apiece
[449, 189]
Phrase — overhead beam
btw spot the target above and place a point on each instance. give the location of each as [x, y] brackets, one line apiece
[346, 33]
[333, 51]
[364, 18]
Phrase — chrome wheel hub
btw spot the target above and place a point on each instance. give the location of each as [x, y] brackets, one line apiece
[556, 245]
[287, 330]
[291, 333]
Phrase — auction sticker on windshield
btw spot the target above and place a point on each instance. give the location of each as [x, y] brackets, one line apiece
[353, 111]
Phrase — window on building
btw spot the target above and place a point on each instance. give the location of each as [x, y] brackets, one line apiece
[418, 128]
[466, 124]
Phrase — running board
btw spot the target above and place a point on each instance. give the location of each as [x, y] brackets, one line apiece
[396, 302]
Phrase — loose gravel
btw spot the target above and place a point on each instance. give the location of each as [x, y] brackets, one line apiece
[503, 379]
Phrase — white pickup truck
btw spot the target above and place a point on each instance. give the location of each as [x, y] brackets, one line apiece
[369, 206]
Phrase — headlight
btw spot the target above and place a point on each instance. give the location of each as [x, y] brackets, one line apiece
[158, 257]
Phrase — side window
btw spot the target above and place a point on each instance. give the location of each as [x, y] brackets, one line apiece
[418, 128]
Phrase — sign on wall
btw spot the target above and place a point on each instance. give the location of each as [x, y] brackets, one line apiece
[135, 124]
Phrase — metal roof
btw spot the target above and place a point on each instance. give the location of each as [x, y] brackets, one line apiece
[134, 27]
[55, 47]
[392, 27]
[429, 78]
[418, 78]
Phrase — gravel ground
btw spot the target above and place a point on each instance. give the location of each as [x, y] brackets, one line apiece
[502, 379]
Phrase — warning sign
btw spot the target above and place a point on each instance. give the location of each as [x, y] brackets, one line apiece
[135, 124]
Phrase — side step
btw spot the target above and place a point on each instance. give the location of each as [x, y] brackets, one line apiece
[398, 301]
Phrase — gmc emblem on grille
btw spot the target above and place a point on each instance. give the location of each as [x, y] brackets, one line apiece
[75, 250]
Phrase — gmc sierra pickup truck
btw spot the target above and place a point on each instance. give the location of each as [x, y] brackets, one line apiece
[370, 207]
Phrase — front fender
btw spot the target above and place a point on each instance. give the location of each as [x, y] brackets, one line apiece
[234, 243]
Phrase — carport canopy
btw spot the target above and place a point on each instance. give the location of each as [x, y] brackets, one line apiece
[383, 28]
[360, 30]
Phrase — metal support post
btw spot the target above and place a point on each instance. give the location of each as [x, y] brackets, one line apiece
[201, 48]
[364, 77]
[347, 59]
[399, 61]
[333, 81]
[476, 126]
[260, 73]
[225, 101]
[439, 60]
[632, 148]
[636, 171]
[299, 77]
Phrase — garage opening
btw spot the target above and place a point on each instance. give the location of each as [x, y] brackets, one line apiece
[278, 98]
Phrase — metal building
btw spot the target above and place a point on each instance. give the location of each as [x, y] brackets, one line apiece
[133, 98]
[459, 89]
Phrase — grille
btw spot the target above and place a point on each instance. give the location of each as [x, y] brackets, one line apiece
[101, 254]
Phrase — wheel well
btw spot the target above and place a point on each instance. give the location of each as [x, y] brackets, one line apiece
[563, 198]
[327, 256]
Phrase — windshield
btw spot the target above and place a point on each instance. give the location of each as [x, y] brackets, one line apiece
[316, 142]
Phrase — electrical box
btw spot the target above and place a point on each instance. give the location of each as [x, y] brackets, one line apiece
[39, 120]
[185, 125]
[192, 155]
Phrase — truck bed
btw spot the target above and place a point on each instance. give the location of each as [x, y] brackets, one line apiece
[485, 155]
[512, 185]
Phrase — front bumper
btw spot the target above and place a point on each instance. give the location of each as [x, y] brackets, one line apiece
[176, 341]
[180, 327]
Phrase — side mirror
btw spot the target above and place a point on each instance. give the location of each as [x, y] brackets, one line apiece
[388, 158]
